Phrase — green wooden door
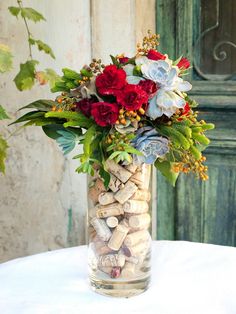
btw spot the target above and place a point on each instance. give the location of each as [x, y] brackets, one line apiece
[204, 31]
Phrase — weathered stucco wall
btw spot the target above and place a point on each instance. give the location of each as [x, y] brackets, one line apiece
[42, 199]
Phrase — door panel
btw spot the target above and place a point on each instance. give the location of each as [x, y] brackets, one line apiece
[202, 30]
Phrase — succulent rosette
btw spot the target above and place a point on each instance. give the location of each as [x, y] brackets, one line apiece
[133, 110]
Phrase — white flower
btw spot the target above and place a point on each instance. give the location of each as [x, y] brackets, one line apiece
[167, 99]
[164, 102]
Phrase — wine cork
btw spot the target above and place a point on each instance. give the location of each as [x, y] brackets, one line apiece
[118, 171]
[136, 237]
[95, 190]
[129, 270]
[113, 209]
[126, 192]
[118, 237]
[139, 249]
[112, 221]
[114, 183]
[132, 259]
[106, 198]
[92, 212]
[131, 168]
[101, 228]
[142, 177]
[111, 260]
[141, 195]
[135, 207]
[140, 221]
[102, 250]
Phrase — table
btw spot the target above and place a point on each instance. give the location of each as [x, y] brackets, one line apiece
[187, 278]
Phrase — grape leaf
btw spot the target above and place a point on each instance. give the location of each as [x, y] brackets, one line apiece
[3, 153]
[43, 47]
[26, 77]
[3, 114]
[32, 15]
[14, 10]
[5, 58]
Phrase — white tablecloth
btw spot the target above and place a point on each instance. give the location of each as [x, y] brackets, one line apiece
[187, 278]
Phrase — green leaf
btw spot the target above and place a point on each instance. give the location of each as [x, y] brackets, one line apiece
[114, 60]
[3, 114]
[29, 116]
[52, 77]
[70, 74]
[5, 58]
[165, 167]
[26, 77]
[3, 153]
[105, 176]
[132, 150]
[83, 121]
[14, 10]
[52, 130]
[32, 15]
[44, 47]
[88, 140]
[41, 104]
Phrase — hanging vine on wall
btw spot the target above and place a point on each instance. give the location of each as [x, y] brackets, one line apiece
[28, 74]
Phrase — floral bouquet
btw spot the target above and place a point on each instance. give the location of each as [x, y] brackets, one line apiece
[132, 110]
[128, 115]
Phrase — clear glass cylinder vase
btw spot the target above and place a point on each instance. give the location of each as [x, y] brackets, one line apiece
[119, 223]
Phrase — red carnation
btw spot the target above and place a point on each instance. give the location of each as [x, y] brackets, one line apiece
[111, 80]
[132, 97]
[84, 106]
[123, 59]
[155, 55]
[183, 63]
[149, 87]
[105, 113]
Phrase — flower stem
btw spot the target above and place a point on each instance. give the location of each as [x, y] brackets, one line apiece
[27, 29]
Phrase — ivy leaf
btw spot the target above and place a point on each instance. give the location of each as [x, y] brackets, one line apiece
[41, 104]
[5, 58]
[3, 153]
[32, 15]
[44, 47]
[26, 77]
[3, 114]
[165, 167]
[14, 11]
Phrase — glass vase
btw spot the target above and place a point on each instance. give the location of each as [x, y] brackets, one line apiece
[119, 240]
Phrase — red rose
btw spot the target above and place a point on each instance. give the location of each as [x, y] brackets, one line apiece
[123, 59]
[132, 97]
[84, 106]
[155, 55]
[105, 113]
[183, 63]
[111, 80]
[149, 87]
